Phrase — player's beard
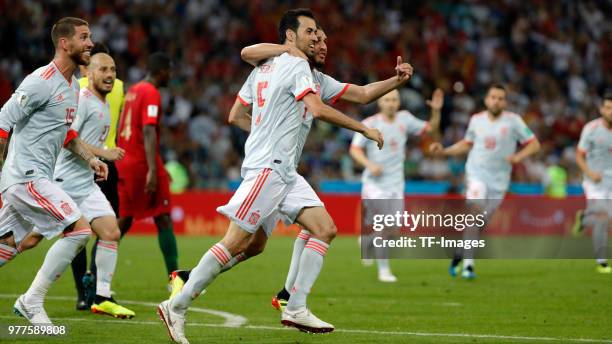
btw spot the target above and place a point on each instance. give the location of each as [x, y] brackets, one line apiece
[79, 57]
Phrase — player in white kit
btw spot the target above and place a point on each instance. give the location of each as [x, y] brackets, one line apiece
[491, 141]
[280, 90]
[383, 177]
[594, 157]
[72, 174]
[330, 91]
[40, 113]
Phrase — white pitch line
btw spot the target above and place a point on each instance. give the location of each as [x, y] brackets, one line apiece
[231, 320]
[350, 331]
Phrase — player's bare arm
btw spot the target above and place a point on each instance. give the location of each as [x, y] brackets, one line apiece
[435, 104]
[150, 143]
[112, 154]
[328, 114]
[257, 53]
[460, 148]
[79, 148]
[595, 176]
[3, 144]
[239, 116]
[359, 155]
[370, 92]
[530, 149]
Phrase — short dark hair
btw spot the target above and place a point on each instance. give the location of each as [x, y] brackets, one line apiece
[497, 86]
[158, 62]
[99, 47]
[290, 21]
[64, 28]
[608, 96]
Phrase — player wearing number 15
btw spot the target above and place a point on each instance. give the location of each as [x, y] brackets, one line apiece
[139, 135]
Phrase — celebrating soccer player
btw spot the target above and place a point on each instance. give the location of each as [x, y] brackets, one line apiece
[383, 176]
[491, 141]
[594, 157]
[279, 90]
[40, 113]
[86, 281]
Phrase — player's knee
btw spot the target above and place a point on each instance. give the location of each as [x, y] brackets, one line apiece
[113, 234]
[328, 232]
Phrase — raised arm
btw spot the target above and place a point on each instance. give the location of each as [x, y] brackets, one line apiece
[370, 92]
[328, 114]
[436, 103]
[256, 53]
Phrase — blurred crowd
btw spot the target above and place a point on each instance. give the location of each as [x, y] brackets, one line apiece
[555, 57]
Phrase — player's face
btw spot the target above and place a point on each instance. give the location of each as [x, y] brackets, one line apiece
[389, 104]
[102, 73]
[306, 37]
[606, 111]
[320, 50]
[495, 101]
[79, 46]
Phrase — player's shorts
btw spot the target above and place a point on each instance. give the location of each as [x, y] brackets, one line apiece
[135, 202]
[599, 198]
[263, 198]
[479, 194]
[377, 201]
[37, 205]
[94, 205]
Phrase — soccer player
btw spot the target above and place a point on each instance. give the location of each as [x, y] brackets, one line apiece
[279, 90]
[383, 176]
[491, 141]
[40, 113]
[139, 135]
[86, 288]
[594, 157]
[93, 123]
[330, 91]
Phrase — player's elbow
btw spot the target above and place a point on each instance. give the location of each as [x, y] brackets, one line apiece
[247, 56]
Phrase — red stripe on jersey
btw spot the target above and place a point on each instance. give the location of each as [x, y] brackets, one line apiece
[244, 102]
[303, 94]
[254, 197]
[71, 135]
[250, 197]
[3, 134]
[46, 72]
[43, 202]
[337, 97]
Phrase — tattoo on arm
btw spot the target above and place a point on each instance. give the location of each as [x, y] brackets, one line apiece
[77, 147]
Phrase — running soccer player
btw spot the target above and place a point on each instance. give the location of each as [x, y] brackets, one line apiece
[383, 176]
[139, 135]
[594, 157]
[491, 141]
[85, 282]
[279, 90]
[330, 91]
[92, 123]
[40, 113]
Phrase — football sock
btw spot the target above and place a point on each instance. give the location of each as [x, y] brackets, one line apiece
[79, 268]
[233, 261]
[600, 239]
[106, 260]
[311, 262]
[59, 256]
[167, 244]
[298, 248]
[468, 262]
[7, 253]
[201, 276]
[283, 294]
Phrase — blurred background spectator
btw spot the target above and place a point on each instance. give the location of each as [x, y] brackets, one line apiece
[554, 56]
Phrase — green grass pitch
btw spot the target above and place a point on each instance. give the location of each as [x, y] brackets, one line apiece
[511, 301]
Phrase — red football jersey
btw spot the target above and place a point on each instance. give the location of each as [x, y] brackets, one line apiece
[142, 107]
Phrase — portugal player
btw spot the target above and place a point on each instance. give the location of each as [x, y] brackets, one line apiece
[139, 135]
